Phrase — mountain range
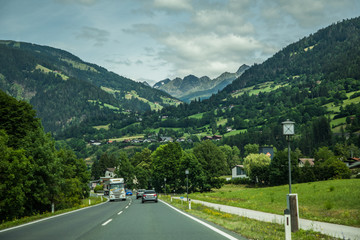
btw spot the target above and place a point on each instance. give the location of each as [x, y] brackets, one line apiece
[314, 82]
[192, 87]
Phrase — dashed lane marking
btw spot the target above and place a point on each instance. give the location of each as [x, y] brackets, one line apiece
[106, 222]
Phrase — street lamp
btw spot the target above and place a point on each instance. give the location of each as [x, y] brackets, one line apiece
[187, 184]
[288, 131]
[165, 185]
[292, 200]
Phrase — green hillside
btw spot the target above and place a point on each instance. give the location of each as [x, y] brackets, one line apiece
[314, 82]
[66, 91]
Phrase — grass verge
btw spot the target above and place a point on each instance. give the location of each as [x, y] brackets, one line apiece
[334, 201]
[243, 226]
[84, 203]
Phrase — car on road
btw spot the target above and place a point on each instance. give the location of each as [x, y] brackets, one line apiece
[149, 195]
[139, 193]
[128, 192]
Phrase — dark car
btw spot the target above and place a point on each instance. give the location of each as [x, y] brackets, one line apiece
[149, 195]
[139, 193]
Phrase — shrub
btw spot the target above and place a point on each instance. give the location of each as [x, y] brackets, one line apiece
[238, 181]
[99, 188]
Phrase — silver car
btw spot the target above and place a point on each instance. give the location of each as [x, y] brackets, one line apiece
[149, 195]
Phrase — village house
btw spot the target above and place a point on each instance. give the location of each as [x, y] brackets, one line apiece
[302, 161]
[238, 172]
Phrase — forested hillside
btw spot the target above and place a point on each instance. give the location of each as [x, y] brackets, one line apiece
[314, 82]
[66, 91]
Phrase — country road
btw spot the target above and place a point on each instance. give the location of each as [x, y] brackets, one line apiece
[121, 220]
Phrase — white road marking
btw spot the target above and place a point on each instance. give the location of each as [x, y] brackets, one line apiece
[126, 206]
[120, 212]
[106, 222]
[228, 236]
[55, 216]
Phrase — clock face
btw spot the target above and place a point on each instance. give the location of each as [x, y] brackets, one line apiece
[288, 129]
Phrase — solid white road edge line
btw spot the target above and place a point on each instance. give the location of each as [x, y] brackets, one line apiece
[44, 219]
[228, 236]
[106, 222]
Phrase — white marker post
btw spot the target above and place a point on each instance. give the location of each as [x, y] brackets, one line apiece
[287, 224]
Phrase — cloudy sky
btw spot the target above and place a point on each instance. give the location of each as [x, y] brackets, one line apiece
[156, 39]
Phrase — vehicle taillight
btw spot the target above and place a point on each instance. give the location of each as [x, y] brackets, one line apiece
[154, 195]
[144, 195]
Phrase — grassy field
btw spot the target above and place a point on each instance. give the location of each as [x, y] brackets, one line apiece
[246, 227]
[334, 201]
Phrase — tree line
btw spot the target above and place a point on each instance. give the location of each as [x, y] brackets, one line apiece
[33, 173]
[165, 166]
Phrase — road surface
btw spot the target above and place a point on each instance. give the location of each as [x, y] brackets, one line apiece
[121, 220]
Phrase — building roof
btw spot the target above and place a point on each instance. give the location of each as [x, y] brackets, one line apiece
[240, 166]
[310, 160]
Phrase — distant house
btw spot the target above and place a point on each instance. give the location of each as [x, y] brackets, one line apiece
[268, 151]
[302, 161]
[166, 139]
[207, 138]
[238, 172]
[229, 129]
[95, 143]
[215, 137]
[352, 162]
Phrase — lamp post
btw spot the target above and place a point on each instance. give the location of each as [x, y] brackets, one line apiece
[288, 131]
[165, 185]
[292, 200]
[187, 184]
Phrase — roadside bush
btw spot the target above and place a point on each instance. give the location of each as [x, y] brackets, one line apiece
[99, 188]
[238, 181]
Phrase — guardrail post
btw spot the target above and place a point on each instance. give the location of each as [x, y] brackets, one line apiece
[287, 221]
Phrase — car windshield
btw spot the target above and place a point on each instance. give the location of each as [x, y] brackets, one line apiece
[116, 185]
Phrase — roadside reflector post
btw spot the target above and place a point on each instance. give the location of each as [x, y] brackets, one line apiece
[293, 206]
[89, 201]
[171, 199]
[189, 203]
[101, 199]
[287, 220]
[52, 207]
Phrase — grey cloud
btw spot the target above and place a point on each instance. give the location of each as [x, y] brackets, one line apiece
[82, 2]
[306, 13]
[100, 36]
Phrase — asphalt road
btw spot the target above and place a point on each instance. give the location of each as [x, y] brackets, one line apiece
[121, 220]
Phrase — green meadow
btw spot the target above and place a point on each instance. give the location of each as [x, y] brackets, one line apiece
[334, 201]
